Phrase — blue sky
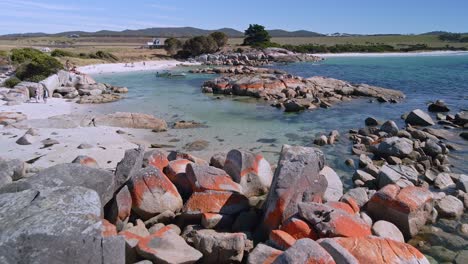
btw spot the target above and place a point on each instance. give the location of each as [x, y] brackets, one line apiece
[326, 16]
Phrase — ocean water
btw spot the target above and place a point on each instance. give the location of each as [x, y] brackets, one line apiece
[251, 124]
[246, 123]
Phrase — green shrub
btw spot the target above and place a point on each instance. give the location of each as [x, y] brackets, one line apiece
[19, 56]
[62, 53]
[220, 38]
[12, 82]
[172, 45]
[256, 36]
[3, 54]
[38, 68]
[103, 55]
[200, 45]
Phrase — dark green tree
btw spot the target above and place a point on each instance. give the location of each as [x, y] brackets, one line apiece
[200, 45]
[220, 37]
[172, 45]
[256, 35]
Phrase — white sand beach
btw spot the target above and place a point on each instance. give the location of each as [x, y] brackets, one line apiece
[107, 147]
[131, 67]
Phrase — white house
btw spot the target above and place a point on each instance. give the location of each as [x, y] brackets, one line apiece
[156, 43]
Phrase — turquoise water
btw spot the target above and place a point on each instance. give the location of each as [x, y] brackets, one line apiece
[240, 122]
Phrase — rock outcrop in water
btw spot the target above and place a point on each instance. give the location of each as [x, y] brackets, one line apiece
[293, 93]
[195, 213]
[255, 57]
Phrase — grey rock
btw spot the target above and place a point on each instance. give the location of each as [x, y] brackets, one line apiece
[75, 175]
[26, 140]
[304, 251]
[85, 146]
[450, 207]
[438, 106]
[43, 226]
[252, 171]
[218, 160]
[370, 121]
[321, 140]
[394, 146]
[419, 118]
[339, 253]
[13, 168]
[386, 229]
[401, 175]
[263, 253]
[443, 181]
[334, 189]
[219, 247]
[390, 127]
[432, 148]
[131, 163]
[296, 178]
[358, 194]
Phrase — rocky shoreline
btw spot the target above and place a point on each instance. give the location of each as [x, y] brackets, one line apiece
[66, 85]
[291, 93]
[255, 57]
[236, 207]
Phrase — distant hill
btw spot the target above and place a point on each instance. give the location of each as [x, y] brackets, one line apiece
[434, 33]
[178, 32]
[279, 33]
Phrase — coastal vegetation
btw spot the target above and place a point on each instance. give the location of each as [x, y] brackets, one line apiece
[257, 36]
[102, 55]
[454, 37]
[34, 65]
[172, 45]
[12, 82]
[199, 45]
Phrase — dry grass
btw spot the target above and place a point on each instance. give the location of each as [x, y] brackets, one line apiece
[395, 41]
[129, 49]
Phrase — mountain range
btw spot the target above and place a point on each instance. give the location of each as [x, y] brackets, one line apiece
[181, 32]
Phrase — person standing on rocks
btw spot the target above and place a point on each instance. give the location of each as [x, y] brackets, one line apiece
[39, 93]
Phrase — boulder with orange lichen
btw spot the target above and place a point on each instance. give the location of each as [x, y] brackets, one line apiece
[216, 202]
[251, 171]
[408, 208]
[175, 171]
[153, 193]
[204, 178]
[165, 246]
[373, 250]
[297, 179]
[331, 221]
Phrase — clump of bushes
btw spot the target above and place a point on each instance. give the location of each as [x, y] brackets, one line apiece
[196, 45]
[257, 36]
[103, 55]
[12, 82]
[62, 53]
[33, 65]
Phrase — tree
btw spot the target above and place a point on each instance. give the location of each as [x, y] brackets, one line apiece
[256, 35]
[220, 38]
[199, 45]
[172, 45]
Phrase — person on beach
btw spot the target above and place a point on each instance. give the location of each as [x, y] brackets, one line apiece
[46, 95]
[67, 65]
[39, 92]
